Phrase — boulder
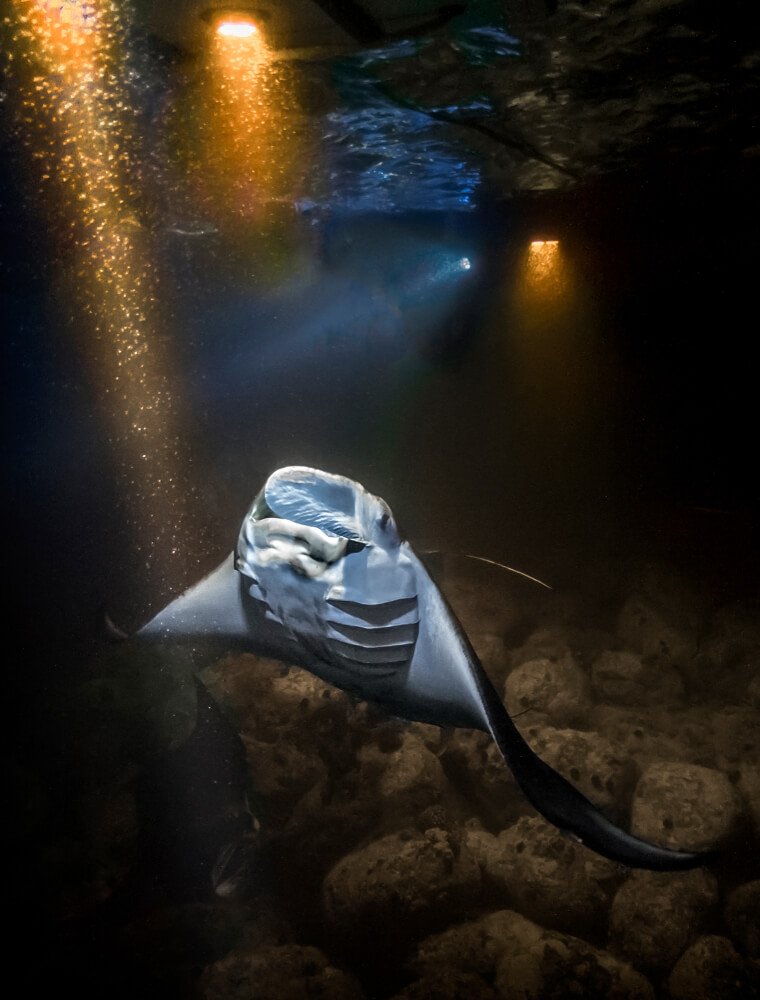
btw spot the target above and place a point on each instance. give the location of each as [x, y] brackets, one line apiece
[734, 641]
[400, 885]
[557, 689]
[742, 915]
[684, 806]
[549, 642]
[479, 773]
[548, 877]
[655, 915]
[410, 778]
[270, 702]
[560, 967]
[657, 735]
[448, 984]
[625, 678]
[277, 972]
[726, 662]
[527, 962]
[737, 736]
[495, 863]
[328, 822]
[477, 945]
[281, 774]
[241, 684]
[660, 636]
[712, 968]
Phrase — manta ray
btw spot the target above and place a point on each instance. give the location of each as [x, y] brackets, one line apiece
[321, 578]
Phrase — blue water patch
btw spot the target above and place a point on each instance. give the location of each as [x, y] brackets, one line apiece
[381, 156]
[394, 160]
[384, 153]
[483, 45]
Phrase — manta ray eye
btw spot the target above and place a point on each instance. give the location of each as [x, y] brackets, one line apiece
[385, 518]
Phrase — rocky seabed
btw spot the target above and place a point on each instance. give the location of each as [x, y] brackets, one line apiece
[397, 860]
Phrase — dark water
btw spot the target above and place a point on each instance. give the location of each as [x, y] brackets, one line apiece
[556, 423]
[584, 418]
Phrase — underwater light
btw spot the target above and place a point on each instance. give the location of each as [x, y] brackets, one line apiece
[236, 29]
[544, 269]
[465, 263]
[239, 22]
[544, 256]
[70, 13]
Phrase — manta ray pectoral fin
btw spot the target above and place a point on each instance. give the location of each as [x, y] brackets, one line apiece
[212, 609]
[445, 671]
[219, 611]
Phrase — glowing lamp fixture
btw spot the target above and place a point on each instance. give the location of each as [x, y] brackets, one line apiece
[544, 255]
[236, 29]
[239, 22]
[544, 267]
[543, 246]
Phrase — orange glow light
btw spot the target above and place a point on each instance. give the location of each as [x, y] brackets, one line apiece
[250, 127]
[236, 28]
[544, 262]
[77, 122]
[543, 269]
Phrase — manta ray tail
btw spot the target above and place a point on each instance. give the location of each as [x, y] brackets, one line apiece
[564, 806]
[457, 671]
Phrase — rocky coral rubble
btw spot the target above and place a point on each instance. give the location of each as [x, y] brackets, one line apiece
[277, 972]
[685, 806]
[385, 844]
[411, 829]
[557, 690]
[545, 875]
[400, 886]
[655, 915]
[742, 914]
[711, 968]
[524, 961]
